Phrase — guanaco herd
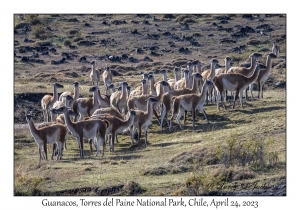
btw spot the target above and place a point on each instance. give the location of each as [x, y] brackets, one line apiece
[102, 117]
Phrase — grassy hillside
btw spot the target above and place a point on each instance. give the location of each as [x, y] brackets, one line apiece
[238, 147]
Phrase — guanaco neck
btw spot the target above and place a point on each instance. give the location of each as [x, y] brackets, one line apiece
[93, 68]
[227, 65]
[165, 76]
[161, 92]
[123, 93]
[68, 122]
[144, 88]
[187, 80]
[33, 129]
[252, 64]
[254, 76]
[152, 88]
[189, 67]
[55, 94]
[212, 71]
[195, 86]
[149, 109]
[67, 103]
[198, 68]
[95, 99]
[101, 99]
[129, 122]
[176, 75]
[268, 65]
[76, 92]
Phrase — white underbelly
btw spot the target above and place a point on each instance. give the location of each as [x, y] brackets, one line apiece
[230, 86]
[90, 133]
[186, 106]
[51, 139]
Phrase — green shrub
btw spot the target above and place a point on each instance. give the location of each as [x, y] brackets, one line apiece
[67, 43]
[202, 181]
[38, 31]
[242, 153]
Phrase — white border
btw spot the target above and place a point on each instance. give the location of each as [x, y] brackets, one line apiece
[154, 6]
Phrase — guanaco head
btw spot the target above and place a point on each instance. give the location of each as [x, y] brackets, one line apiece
[132, 113]
[125, 84]
[196, 62]
[261, 66]
[128, 89]
[68, 98]
[57, 85]
[176, 70]
[150, 72]
[107, 68]
[186, 73]
[112, 87]
[59, 110]
[163, 83]
[151, 100]
[271, 55]
[189, 64]
[63, 109]
[28, 116]
[255, 55]
[145, 75]
[214, 62]
[227, 59]
[197, 76]
[72, 113]
[163, 71]
[94, 88]
[150, 77]
[144, 81]
[208, 83]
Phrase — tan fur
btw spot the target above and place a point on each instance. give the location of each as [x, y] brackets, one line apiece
[107, 78]
[263, 75]
[208, 75]
[197, 66]
[48, 101]
[103, 100]
[234, 82]
[117, 125]
[74, 95]
[152, 90]
[143, 119]
[275, 49]
[42, 135]
[140, 90]
[86, 106]
[243, 70]
[118, 99]
[182, 83]
[140, 102]
[189, 102]
[226, 68]
[95, 74]
[85, 129]
[157, 84]
[172, 82]
[166, 97]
